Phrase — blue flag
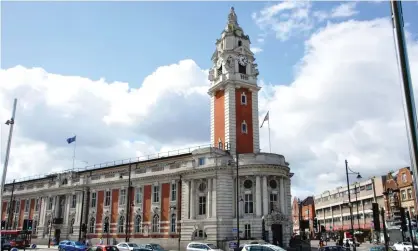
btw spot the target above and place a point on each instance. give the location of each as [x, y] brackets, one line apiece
[71, 140]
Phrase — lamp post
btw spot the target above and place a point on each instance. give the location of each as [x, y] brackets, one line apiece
[358, 217]
[10, 123]
[347, 172]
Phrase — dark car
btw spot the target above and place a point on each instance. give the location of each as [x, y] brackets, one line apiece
[5, 244]
[71, 246]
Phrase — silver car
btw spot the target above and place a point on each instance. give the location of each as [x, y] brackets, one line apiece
[127, 246]
[199, 246]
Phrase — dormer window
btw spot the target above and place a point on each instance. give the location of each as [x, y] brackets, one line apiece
[244, 127]
[243, 99]
[239, 43]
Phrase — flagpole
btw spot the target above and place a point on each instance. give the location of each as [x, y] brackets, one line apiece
[269, 132]
[75, 145]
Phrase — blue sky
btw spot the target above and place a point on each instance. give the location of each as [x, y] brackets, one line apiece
[126, 41]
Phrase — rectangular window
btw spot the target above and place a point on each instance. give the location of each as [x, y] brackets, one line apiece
[201, 161]
[37, 205]
[409, 193]
[248, 204]
[50, 203]
[74, 201]
[173, 223]
[122, 197]
[247, 231]
[202, 205]
[26, 206]
[403, 195]
[273, 201]
[138, 195]
[93, 201]
[369, 187]
[173, 191]
[107, 198]
[243, 99]
[156, 194]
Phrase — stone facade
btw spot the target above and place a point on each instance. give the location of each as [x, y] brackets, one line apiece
[175, 199]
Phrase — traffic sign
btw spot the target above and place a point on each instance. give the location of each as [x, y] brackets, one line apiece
[233, 245]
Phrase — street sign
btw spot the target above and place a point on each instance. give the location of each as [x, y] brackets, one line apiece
[234, 230]
[233, 245]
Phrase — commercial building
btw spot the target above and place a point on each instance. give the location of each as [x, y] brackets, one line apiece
[304, 209]
[333, 208]
[180, 196]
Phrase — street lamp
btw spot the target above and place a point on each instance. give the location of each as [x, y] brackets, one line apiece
[358, 216]
[347, 172]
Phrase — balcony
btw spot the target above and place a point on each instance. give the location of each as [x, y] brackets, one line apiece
[235, 77]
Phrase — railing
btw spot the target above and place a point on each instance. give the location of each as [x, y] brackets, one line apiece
[115, 162]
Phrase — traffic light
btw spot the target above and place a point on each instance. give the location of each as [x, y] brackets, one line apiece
[315, 224]
[403, 219]
[29, 225]
[3, 224]
[376, 216]
[25, 224]
[84, 227]
[106, 227]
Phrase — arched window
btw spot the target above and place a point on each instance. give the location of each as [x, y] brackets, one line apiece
[121, 224]
[173, 225]
[156, 224]
[106, 220]
[138, 224]
[92, 225]
[244, 128]
[72, 226]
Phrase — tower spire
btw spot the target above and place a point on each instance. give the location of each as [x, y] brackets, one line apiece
[232, 20]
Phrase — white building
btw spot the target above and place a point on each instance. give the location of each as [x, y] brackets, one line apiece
[178, 197]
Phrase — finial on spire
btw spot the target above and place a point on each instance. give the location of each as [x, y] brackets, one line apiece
[232, 17]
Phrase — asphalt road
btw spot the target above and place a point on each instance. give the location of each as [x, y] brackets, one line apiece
[363, 246]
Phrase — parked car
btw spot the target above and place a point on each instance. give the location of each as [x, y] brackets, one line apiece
[127, 246]
[5, 244]
[103, 248]
[153, 247]
[199, 246]
[71, 246]
[403, 246]
[262, 247]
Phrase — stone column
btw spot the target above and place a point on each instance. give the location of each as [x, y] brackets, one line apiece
[209, 198]
[67, 209]
[258, 200]
[214, 197]
[192, 199]
[185, 199]
[282, 200]
[265, 197]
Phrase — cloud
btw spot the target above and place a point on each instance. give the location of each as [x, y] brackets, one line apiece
[344, 103]
[344, 10]
[256, 50]
[292, 18]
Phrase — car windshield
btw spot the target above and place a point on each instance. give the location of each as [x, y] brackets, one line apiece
[132, 245]
[275, 248]
[407, 243]
[77, 243]
[211, 246]
[111, 248]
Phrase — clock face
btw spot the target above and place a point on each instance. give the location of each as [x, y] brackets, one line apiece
[242, 60]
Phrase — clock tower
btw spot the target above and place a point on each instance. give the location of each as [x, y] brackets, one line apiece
[234, 91]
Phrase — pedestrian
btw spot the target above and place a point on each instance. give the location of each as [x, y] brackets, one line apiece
[101, 241]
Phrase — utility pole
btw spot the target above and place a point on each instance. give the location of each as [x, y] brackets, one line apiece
[407, 89]
[128, 205]
[10, 123]
[358, 218]
[11, 207]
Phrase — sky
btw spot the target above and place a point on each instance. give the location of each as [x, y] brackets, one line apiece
[130, 79]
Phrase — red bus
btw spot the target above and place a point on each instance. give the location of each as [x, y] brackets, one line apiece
[17, 238]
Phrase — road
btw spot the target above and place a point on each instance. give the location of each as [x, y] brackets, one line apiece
[363, 247]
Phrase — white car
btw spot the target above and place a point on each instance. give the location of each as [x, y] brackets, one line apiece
[262, 247]
[199, 246]
[127, 246]
[402, 246]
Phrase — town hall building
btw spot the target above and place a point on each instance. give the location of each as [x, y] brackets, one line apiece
[176, 197]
